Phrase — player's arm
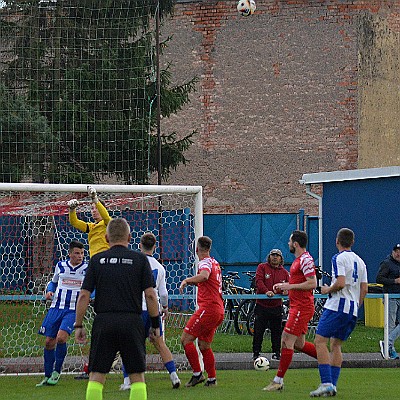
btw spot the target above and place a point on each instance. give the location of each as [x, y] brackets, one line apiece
[81, 307]
[52, 285]
[102, 210]
[363, 292]
[163, 293]
[309, 284]
[339, 284]
[73, 218]
[103, 213]
[202, 276]
[152, 308]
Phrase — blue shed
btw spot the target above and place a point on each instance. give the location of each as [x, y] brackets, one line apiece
[366, 201]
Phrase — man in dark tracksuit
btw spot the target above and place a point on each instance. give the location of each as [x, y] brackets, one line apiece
[268, 313]
[389, 277]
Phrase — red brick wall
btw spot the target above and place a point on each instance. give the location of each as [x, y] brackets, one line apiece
[277, 97]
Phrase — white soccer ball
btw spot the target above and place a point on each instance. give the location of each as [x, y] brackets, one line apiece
[246, 7]
[261, 364]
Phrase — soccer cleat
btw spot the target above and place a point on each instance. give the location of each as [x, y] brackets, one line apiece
[275, 356]
[255, 356]
[83, 375]
[43, 383]
[274, 387]
[211, 383]
[176, 383]
[124, 386]
[324, 390]
[195, 380]
[55, 377]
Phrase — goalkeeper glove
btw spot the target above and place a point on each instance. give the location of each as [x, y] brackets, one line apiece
[72, 204]
[92, 193]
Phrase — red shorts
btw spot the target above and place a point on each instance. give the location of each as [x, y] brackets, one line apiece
[203, 324]
[297, 322]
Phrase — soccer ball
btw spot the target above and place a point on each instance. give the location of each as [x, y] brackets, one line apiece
[261, 364]
[246, 7]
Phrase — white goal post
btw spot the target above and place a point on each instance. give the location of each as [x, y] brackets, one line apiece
[35, 232]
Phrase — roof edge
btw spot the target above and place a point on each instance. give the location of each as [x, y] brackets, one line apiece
[350, 175]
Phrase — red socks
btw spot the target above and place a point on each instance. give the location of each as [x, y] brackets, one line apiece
[309, 349]
[286, 359]
[193, 357]
[209, 363]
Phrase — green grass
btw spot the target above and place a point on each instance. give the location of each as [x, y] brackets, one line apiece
[362, 340]
[354, 384]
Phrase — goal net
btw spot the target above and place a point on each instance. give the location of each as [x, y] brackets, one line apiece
[35, 233]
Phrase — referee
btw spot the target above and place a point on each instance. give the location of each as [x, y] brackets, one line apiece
[120, 276]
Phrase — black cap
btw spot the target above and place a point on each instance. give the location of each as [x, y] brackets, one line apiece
[396, 246]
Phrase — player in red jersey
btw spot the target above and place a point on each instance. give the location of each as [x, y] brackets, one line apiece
[210, 314]
[301, 285]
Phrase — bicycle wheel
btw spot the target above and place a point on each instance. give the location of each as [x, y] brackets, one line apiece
[319, 308]
[250, 322]
[228, 316]
[240, 318]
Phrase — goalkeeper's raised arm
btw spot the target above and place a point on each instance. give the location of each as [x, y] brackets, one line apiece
[96, 230]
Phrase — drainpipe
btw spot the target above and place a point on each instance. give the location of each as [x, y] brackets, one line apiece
[319, 198]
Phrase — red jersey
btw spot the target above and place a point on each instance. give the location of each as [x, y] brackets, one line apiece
[301, 268]
[209, 292]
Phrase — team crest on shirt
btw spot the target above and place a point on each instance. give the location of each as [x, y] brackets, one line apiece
[267, 276]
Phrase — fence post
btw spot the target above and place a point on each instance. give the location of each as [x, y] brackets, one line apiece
[386, 324]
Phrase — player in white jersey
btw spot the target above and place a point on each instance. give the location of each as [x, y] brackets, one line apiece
[346, 294]
[58, 323]
[147, 246]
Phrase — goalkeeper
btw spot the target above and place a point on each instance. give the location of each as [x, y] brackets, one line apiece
[96, 230]
[96, 233]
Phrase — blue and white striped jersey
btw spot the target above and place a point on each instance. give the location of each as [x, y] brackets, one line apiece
[352, 267]
[160, 281]
[68, 280]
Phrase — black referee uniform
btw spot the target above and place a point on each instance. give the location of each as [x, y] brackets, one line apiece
[120, 276]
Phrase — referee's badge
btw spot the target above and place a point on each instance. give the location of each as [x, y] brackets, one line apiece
[267, 276]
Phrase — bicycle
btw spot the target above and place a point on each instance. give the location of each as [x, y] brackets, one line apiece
[251, 317]
[245, 307]
[230, 305]
[319, 302]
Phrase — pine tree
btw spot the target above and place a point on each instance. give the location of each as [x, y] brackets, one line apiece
[88, 68]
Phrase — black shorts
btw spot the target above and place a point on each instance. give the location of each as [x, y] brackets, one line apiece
[113, 332]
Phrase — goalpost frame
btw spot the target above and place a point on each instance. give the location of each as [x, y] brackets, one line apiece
[160, 195]
[153, 189]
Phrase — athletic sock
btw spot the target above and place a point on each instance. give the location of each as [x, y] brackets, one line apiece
[170, 366]
[325, 373]
[138, 391]
[284, 363]
[193, 357]
[94, 391]
[49, 358]
[124, 371]
[61, 352]
[209, 362]
[309, 349]
[335, 372]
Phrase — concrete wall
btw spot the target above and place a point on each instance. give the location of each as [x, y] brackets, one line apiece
[279, 94]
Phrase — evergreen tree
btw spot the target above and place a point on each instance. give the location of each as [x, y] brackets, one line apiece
[88, 67]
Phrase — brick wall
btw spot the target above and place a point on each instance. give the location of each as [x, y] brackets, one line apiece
[277, 97]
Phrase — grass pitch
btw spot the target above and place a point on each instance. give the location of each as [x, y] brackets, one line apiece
[354, 384]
